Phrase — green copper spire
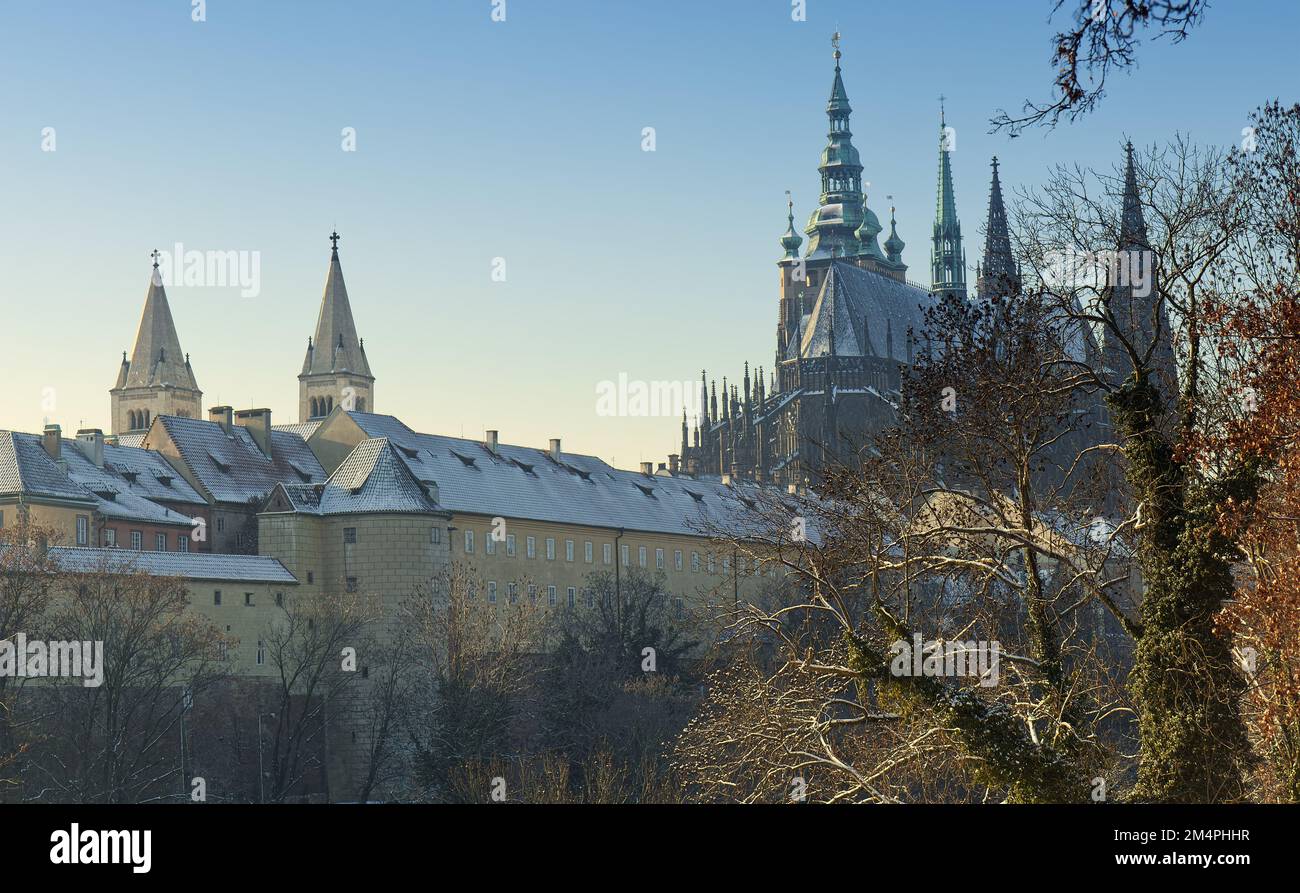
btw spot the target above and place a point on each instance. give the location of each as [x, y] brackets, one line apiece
[791, 240]
[947, 258]
[830, 228]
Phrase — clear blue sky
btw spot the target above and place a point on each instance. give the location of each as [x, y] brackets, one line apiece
[522, 140]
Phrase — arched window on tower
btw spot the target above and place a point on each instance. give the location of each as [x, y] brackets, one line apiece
[312, 413]
[130, 419]
[329, 405]
[361, 404]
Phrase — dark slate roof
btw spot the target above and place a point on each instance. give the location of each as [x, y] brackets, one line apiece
[865, 306]
[187, 565]
[373, 478]
[232, 467]
[523, 482]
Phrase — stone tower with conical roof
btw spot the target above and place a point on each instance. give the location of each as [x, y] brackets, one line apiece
[947, 257]
[157, 379]
[335, 371]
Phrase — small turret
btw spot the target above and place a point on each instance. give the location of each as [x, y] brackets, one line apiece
[791, 240]
[894, 245]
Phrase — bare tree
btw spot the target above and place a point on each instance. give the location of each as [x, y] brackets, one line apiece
[118, 742]
[1102, 37]
[305, 646]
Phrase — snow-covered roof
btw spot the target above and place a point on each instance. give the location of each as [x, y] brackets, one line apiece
[373, 478]
[527, 483]
[25, 468]
[130, 487]
[867, 309]
[187, 565]
[232, 467]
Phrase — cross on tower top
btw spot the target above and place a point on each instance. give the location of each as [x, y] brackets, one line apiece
[334, 241]
[155, 255]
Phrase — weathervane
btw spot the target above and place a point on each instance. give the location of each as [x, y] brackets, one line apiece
[835, 42]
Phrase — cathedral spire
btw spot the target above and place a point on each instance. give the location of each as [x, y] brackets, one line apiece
[831, 227]
[704, 397]
[335, 371]
[947, 259]
[999, 276]
[157, 380]
[1133, 227]
[157, 358]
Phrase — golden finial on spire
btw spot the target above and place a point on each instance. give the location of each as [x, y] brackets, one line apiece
[835, 42]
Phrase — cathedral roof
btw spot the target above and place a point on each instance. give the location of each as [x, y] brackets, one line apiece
[861, 307]
[335, 347]
[157, 358]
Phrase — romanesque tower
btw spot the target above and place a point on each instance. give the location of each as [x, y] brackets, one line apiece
[157, 380]
[335, 371]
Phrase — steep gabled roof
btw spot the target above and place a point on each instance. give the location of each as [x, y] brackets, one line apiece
[127, 488]
[26, 469]
[374, 478]
[232, 467]
[157, 358]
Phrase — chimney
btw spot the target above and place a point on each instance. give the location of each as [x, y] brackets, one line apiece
[674, 463]
[491, 440]
[692, 466]
[220, 415]
[91, 443]
[52, 440]
[647, 468]
[726, 480]
[258, 423]
[555, 448]
[662, 469]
